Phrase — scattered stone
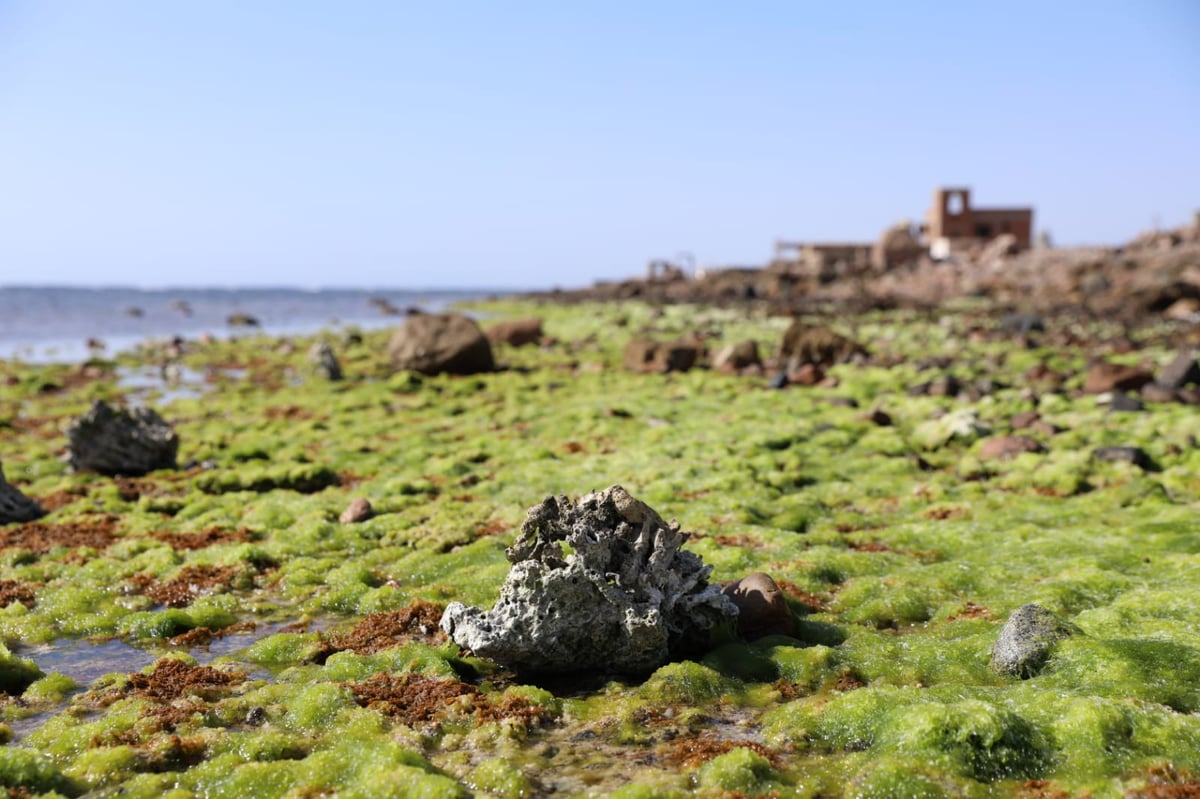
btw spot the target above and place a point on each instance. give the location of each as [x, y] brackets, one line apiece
[735, 357]
[1153, 392]
[807, 374]
[241, 320]
[1184, 309]
[880, 418]
[762, 608]
[1021, 324]
[1135, 455]
[642, 355]
[626, 599]
[778, 380]
[1007, 447]
[516, 332]
[1181, 371]
[803, 344]
[15, 506]
[433, 344]
[326, 363]
[1122, 402]
[126, 442]
[1104, 377]
[1024, 419]
[359, 510]
[946, 385]
[1027, 639]
[962, 425]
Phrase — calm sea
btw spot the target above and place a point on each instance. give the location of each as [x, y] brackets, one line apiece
[39, 324]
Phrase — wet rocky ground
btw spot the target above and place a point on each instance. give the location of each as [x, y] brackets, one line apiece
[909, 478]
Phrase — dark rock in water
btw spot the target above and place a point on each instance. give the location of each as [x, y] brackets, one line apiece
[127, 442]
[15, 506]
[626, 599]
[1135, 455]
[1022, 323]
[1122, 402]
[1027, 639]
[359, 510]
[241, 320]
[326, 363]
[516, 332]
[880, 418]
[441, 343]
[762, 608]
[1182, 371]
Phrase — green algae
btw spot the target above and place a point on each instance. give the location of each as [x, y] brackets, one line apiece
[900, 568]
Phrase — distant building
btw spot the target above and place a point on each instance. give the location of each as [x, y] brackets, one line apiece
[951, 223]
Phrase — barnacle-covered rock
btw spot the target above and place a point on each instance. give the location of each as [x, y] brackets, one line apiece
[625, 597]
[121, 441]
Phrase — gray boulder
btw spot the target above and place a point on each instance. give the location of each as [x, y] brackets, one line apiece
[127, 442]
[441, 343]
[626, 598]
[1027, 639]
[15, 506]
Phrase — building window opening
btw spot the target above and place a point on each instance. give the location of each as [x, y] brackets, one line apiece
[983, 231]
[955, 203]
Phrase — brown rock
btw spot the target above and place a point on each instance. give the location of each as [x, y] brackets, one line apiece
[516, 332]
[1103, 376]
[1183, 309]
[803, 344]
[762, 608]
[650, 356]
[1007, 447]
[736, 357]
[1181, 371]
[1153, 392]
[440, 343]
[359, 510]
[808, 374]
[1024, 419]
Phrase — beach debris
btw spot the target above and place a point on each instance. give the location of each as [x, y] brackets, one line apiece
[359, 510]
[626, 599]
[762, 608]
[440, 343]
[1027, 639]
[516, 332]
[15, 506]
[325, 362]
[642, 355]
[120, 441]
[962, 424]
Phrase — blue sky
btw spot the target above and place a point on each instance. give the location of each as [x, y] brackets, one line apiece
[553, 143]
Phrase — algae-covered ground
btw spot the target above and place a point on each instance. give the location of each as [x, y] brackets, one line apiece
[216, 631]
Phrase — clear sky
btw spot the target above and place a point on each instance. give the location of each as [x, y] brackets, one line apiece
[531, 144]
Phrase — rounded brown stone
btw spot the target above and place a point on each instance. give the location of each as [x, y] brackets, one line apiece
[359, 510]
[762, 608]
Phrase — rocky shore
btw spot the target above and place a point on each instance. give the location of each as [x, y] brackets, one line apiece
[634, 549]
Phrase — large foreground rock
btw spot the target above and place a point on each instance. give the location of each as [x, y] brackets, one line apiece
[626, 599]
[15, 506]
[1027, 639]
[441, 343]
[127, 442]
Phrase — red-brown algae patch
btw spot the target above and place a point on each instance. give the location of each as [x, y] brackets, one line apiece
[419, 620]
[210, 536]
[95, 532]
[192, 582]
[18, 591]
